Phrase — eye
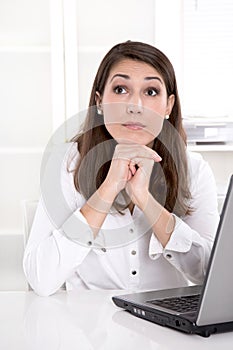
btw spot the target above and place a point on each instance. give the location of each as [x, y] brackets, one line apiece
[120, 90]
[152, 92]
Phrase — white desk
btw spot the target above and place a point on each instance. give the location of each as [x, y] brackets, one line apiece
[87, 320]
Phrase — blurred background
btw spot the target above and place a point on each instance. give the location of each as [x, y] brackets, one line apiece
[49, 53]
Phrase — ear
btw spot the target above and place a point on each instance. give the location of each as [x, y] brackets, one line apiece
[98, 99]
[170, 104]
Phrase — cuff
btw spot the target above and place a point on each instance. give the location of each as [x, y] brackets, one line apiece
[180, 240]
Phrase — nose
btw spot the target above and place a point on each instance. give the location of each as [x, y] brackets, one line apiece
[136, 109]
[134, 103]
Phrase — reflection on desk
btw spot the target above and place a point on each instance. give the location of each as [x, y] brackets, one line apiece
[87, 320]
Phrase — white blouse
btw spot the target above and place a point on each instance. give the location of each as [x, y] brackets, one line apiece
[126, 254]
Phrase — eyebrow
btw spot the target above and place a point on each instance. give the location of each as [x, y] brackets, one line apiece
[125, 76]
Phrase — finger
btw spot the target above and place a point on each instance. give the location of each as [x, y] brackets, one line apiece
[129, 175]
[126, 151]
[144, 165]
[132, 167]
[121, 156]
[156, 157]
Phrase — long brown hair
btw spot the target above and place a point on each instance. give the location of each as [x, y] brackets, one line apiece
[169, 179]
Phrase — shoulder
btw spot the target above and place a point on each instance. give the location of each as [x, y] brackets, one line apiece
[69, 163]
[70, 159]
[195, 160]
[71, 155]
[200, 172]
[196, 163]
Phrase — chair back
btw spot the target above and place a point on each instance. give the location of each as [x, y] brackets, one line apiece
[29, 210]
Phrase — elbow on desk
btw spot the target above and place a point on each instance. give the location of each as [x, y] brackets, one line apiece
[43, 292]
[41, 289]
[41, 286]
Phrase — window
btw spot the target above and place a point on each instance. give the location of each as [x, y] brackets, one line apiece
[208, 57]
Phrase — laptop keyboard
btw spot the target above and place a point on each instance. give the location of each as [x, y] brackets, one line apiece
[179, 304]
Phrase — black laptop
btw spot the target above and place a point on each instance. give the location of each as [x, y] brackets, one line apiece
[204, 309]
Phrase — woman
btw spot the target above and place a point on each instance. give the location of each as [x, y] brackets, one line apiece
[143, 208]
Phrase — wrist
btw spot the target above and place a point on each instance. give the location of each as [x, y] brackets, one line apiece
[107, 192]
[141, 198]
[100, 201]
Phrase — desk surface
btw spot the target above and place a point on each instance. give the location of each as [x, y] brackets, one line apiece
[87, 320]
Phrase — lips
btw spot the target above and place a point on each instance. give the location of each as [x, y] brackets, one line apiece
[134, 125]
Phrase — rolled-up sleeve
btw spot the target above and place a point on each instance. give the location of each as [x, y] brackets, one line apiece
[53, 254]
[60, 237]
[190, 244]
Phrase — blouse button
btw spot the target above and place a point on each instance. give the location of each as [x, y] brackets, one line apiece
[134, 272]
[168, 256]
[131, 230]
[89, 243]
[103, 250]
[133, 252]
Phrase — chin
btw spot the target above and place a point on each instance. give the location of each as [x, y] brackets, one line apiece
[132, 140]
[139, 137]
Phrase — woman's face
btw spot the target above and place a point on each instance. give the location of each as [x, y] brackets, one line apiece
[134, 102]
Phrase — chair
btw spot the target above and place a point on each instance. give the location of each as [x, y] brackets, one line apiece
[29, 209]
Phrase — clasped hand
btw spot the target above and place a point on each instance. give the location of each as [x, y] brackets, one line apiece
[130, 169]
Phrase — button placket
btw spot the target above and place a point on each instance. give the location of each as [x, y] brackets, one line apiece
[134, 265]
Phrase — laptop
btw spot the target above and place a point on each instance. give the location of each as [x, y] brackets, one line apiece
[198, 309]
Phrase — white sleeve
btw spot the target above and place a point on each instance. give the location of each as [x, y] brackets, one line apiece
[190, 244]
[54, 250]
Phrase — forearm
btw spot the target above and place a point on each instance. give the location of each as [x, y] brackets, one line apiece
[162, 222]
[98, 206]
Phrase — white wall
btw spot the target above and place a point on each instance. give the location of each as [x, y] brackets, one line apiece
[25, 116]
